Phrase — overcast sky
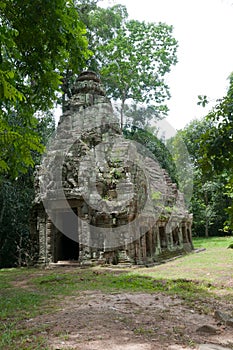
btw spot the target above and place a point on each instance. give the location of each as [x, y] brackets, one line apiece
[204, 30]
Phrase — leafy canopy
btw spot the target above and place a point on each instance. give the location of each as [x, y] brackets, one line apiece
[208, 202]
[38, 41]
[17, 245]
[136, 61]
[156, 149]
[216, 144]
[132, 57]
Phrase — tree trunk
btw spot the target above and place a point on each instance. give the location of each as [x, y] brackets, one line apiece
[206, 228]
[2, 239]
[19, 248]
[2, 213]
[122, 113]
[206, 216]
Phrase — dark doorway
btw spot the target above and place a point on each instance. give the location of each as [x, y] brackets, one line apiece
[148, 244]
[175, 236]
[65, 247]
[69, 249]
[163, 238]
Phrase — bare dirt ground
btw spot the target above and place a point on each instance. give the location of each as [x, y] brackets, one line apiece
[93, 320]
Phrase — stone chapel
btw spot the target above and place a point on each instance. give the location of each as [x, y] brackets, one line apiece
[101, 198]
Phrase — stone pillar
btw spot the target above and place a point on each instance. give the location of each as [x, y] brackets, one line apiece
[41, 228]
[137, 251]
[143, 247]
[184, 232]
[168, 231]
[49, 240]
[157, 240]
[163, 235]
[150, 242]
[84, 239]
[34, 236]
[181, 241]
[189, 231]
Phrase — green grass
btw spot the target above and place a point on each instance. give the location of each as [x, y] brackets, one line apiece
[212, 242]
[124, 282]
[214, 265]
[17, 305]
[26, 293]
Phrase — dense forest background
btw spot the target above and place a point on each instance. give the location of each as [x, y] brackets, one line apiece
[43, 47]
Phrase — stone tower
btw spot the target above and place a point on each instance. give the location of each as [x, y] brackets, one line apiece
[101, 198]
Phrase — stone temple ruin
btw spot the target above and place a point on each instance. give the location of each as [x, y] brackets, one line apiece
[101, 198]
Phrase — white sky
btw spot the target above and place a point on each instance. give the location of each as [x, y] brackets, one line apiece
[204, 31]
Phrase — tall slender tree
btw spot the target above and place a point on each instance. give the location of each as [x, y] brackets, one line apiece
[135, 63]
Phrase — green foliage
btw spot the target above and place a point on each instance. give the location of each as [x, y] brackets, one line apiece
[135, 62]
[202, 100]
[17, 142]
[184, 166]
[102, 26]
[132, 57]
[15, 203]
[208, 206]
[48, 38]
[156, 195]
[156, 149]
[209, 201]
[216, 145]
[17, 247]
[38, 41]
[140, 116]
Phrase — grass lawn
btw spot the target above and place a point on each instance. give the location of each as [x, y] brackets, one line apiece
[214, 265]
[212, 242]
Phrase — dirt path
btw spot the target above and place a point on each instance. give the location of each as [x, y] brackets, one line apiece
[131, 321]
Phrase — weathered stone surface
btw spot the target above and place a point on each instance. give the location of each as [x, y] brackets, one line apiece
[207, 329]
[223, 317]
[110, 183]
[229, 322]
[178, 347]
[212, 347]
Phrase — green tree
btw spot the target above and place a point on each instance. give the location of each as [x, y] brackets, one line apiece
[38, 41]
[135, 61]
[184, 165]
[208, 202]
[208, 205]
[157, 149]
[216, 145]
[132, 57]
[85, 9]
[140, 116]
[101, 25]
[17, 247]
